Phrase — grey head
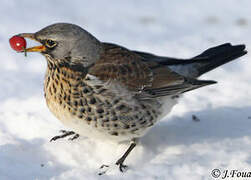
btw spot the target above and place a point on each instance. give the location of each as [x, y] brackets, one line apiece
[67, 43]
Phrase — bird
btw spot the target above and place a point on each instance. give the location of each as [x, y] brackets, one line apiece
[103, 90]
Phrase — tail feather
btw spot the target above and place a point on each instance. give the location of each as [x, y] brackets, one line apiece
[190, 69]
[172, 90]
[209, 60]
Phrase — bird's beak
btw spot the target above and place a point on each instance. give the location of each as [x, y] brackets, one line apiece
[31, 36]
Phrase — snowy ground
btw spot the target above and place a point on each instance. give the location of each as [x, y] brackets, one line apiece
[177, 147]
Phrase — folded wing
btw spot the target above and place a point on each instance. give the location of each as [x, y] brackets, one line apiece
[145, 79]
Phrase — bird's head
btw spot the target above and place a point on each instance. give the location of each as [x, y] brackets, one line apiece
[66, 43]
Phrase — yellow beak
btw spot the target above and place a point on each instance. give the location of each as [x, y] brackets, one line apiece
[36, 49]
[31, 36]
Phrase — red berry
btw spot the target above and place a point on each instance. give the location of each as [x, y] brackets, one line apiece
[17, 43]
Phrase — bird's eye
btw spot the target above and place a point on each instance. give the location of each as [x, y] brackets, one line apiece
[50, 44]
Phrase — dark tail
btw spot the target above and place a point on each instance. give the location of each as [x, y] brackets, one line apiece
[208, 60]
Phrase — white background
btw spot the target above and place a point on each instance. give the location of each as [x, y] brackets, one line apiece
[177, 147]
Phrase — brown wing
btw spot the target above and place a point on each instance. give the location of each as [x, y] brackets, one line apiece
[147, 79]
[122, 66]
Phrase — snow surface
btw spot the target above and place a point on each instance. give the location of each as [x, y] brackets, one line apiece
[177, 147]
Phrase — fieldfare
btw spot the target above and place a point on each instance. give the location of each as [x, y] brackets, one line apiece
[103, 90]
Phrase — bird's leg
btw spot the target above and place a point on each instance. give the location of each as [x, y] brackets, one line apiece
[121, 160]
[65, 134]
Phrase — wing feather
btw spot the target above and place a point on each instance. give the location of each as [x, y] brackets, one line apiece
[145, 79]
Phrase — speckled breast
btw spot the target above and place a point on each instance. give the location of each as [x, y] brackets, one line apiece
[95, 109]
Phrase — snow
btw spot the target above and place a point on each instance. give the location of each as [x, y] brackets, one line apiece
[177, 147]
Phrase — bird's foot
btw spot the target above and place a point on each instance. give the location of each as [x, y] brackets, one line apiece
[120, 161]
[65, 134]
[104, 168]
[76, 136]
[122, 167]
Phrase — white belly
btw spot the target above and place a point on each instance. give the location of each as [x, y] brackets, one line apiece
[167, 104]
[89, 130]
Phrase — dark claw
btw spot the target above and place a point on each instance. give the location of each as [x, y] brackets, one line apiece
[103, 172]
[103, 166]
[74, 137]
[54, 138]
[121, 160]
[122, 167]
[65, 134]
